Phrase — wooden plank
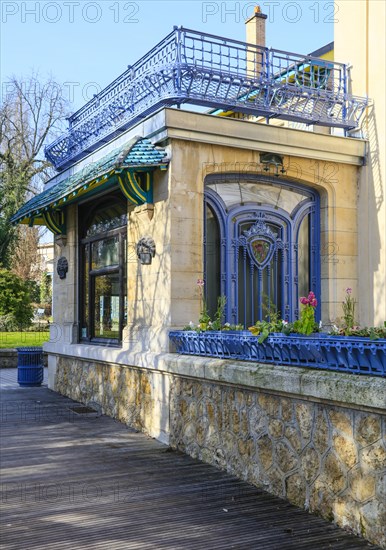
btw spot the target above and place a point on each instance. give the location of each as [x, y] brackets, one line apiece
[92, 483]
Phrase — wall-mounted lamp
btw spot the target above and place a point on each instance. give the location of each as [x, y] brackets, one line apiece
[272, 159]
[146, 250]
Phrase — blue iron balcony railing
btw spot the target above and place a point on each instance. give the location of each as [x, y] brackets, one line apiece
[218, 73]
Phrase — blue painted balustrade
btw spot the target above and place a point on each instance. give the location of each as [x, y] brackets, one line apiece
[218, 73]
[320, 351]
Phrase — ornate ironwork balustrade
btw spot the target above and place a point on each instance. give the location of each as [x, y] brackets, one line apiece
[218, 73]
[319, 351]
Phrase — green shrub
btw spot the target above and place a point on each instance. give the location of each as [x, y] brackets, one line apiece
[34, 290]
[8, 323]
[15, 300]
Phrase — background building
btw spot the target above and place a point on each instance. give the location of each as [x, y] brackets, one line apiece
[359, 37]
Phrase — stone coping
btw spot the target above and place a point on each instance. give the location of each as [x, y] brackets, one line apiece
[363, 391]
[228, 132]
[346, 389]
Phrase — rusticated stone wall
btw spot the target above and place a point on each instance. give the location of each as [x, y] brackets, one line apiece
[327, 458]
[136, 397]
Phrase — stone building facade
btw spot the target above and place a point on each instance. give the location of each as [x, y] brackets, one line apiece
[133, 215]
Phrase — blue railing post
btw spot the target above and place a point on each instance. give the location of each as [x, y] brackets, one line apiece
[345, 92]
[178, 35]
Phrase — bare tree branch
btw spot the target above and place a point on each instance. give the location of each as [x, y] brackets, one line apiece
[31, 115]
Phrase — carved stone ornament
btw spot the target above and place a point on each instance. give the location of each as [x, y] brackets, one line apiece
[62, 267]
[146, 250]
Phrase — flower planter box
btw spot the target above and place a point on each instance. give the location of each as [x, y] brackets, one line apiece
[321, 351]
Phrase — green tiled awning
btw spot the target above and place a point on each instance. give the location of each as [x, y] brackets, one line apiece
[121, 166]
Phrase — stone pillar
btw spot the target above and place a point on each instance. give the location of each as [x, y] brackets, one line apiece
[65, 291]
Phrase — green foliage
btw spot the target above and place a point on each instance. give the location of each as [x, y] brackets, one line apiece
[348, 307]
[15, 299]
[206, 323]
[20, 339]
[263, 328]
[217, 323]
[7, 234]
[374, 333]
[272, 322]
[204, 319]
[7, 323]
[34, 290]
[306, 323]
[229, 326]
[45, 288]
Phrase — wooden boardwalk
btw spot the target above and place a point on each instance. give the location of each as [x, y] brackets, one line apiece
[72, 479]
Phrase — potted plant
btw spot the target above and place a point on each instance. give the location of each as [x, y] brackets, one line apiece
[348, 349]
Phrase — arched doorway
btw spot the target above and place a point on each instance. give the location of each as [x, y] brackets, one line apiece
[262, 246]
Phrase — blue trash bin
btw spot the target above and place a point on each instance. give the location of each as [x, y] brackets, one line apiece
[30, 366]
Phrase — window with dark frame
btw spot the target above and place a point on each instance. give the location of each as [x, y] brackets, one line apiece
[103, 270]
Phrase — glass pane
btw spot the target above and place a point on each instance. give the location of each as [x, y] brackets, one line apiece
[106, 306]
[105, 253]
[212, 252]
[85, 269]
[260, 193]
[260, 250]
[107, 217]
[247, 290]
[304, 258]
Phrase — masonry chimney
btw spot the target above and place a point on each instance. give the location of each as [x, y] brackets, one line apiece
[255, 28]
[255, 34]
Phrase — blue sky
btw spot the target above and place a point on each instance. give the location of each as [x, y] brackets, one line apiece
[84, 44]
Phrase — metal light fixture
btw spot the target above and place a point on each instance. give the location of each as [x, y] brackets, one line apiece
[269, 160]
[146, 250]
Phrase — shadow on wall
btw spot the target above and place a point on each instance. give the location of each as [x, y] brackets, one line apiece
[149, 285]
[371, 216]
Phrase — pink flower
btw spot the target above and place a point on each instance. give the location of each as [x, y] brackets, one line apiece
[349, 290]
[310, 300]
[200, 282]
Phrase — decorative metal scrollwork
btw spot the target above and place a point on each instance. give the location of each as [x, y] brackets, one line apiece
[197, 68]
[262, 243]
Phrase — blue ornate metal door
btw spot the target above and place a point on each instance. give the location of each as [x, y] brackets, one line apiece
[261, 255]
[258, 265]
